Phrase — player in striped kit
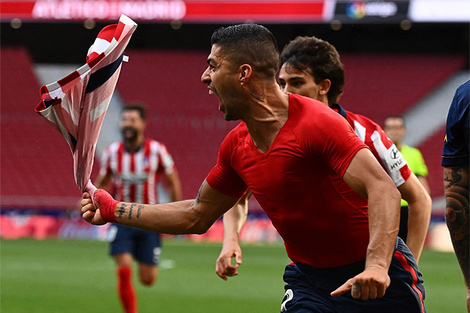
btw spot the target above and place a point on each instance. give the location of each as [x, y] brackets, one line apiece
[131, 170]
[311, 67]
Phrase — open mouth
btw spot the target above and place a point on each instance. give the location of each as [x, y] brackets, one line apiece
[129, 132]
[211, 89]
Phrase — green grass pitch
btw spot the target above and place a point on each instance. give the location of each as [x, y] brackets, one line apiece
[78, 276]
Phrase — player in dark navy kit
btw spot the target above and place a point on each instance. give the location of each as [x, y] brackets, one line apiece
[455, 159]
[131, 168]
[331, 201]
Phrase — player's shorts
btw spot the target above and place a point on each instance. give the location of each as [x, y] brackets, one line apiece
[403, 230]
[308, 289]
[144, 245]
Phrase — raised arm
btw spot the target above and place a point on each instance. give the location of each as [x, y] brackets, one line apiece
[234, 219]
[420, 206]
[183, 217]
[367, 178]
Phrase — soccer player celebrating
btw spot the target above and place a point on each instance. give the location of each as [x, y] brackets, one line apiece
[331, 201]
[131, 168]
[311, 67]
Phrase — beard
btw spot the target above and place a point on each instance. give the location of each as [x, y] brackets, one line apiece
[232, 109]
[129, 134]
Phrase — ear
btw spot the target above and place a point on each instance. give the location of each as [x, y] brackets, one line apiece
[246, 73]
[325, 86]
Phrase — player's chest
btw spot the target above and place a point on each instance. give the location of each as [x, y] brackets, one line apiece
[282, 164]
[135, 164]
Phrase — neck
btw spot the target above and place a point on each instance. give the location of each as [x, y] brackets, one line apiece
[134, 145]
[266, 119]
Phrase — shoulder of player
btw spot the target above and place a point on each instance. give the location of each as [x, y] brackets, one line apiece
[234, 138]
[155, 147]
[306, 113]
[308, 109]
[237, 133]
[114, 146]
[463, 92]
[363, 120]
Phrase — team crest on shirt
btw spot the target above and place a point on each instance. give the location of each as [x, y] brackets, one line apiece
[146, 162]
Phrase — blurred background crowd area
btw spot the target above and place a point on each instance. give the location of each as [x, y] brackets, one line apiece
[400, 58]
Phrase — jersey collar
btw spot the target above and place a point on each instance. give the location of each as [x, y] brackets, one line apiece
[338, 108]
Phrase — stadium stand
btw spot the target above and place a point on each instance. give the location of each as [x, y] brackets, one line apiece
[181, 113]
[36, 167]
[36, 163]
[184, 117]
[379, 85]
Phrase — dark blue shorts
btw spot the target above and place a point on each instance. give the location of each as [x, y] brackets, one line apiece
[308, 289]
[144, 245]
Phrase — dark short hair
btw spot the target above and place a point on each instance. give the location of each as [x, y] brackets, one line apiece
[320, 59]
[136, 106]
[249, 44]
[397, 117]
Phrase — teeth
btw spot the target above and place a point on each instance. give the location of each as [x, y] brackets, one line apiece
[211, 92]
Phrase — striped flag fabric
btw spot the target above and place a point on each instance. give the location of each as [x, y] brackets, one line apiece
[76, 104]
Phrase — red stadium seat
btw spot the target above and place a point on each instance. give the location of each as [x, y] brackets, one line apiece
[36, 163]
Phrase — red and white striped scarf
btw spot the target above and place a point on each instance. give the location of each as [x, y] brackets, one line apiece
[76, 104]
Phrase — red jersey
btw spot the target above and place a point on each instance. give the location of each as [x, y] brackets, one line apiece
[298, 182]
[135, 173]
[381, 146]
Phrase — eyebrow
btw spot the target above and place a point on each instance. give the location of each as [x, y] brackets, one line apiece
[292, 78]
[209, 60]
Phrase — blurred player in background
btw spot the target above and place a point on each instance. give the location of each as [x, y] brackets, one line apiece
[311, 67]
[395, 129]
[131, 169]
[455, 160]
[333, 204]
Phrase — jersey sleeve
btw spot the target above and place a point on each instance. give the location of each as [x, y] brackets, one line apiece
[390, 158]
[166, 160]
[456, 141]
[383, 149]
[223, 177]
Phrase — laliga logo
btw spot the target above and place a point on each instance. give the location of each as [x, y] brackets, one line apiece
[356, 10]
[359, 9]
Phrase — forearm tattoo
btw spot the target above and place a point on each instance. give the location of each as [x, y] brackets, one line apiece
[456, 188]
[200, 191]
[129, 209]
[122, 210]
